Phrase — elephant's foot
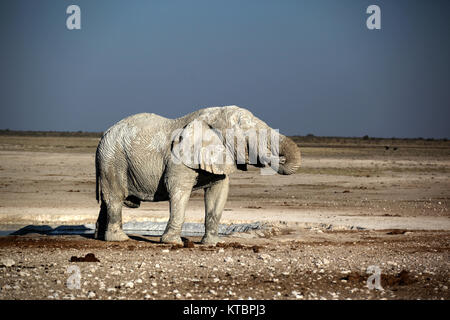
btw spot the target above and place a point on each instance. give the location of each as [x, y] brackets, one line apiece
[115, 235]
[171, 238]
[211, 240]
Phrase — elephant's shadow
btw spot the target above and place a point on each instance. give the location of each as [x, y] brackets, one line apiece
[82, 231]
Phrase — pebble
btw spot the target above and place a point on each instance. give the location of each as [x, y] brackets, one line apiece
[228, 259]
[129, 284]
[296, 294]
[91, 295]
[263, 256]
[7, 262]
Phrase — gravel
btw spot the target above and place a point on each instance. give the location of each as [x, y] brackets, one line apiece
[332, 265]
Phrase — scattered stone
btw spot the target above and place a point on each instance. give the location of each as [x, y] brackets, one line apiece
[263, 256]
[296, 294]
[7, 262]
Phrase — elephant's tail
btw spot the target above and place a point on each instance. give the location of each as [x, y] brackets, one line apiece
[97, 178]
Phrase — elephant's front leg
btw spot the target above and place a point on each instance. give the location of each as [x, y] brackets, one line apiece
[179, 199]
[215, 199]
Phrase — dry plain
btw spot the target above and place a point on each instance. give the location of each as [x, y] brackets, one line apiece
[354, 203]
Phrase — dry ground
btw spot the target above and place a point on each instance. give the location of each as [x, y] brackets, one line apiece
[327, 224]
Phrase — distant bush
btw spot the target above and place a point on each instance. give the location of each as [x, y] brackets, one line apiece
[366, 137]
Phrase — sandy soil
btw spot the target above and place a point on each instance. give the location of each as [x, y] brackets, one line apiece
[327, 224]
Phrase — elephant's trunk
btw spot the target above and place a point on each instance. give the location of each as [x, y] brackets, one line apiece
[291, 154]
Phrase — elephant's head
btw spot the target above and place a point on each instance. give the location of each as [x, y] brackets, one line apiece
[222, 140]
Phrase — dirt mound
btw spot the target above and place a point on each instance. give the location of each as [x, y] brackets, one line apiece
[90, 257]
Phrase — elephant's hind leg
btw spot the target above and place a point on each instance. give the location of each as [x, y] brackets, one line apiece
[215, 199]
[109, 222]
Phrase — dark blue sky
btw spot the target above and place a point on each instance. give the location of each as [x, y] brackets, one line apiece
[301, 66]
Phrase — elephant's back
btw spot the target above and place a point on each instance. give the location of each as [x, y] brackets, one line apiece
[125, 133]
[143, 120]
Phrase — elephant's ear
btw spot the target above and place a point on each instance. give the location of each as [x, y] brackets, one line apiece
[199, 146]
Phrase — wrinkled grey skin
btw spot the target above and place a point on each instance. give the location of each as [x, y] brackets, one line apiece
[134, 164]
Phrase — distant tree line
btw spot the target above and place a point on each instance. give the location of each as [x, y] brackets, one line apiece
[7, 132]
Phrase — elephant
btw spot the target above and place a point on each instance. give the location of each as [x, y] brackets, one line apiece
[147, 157]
